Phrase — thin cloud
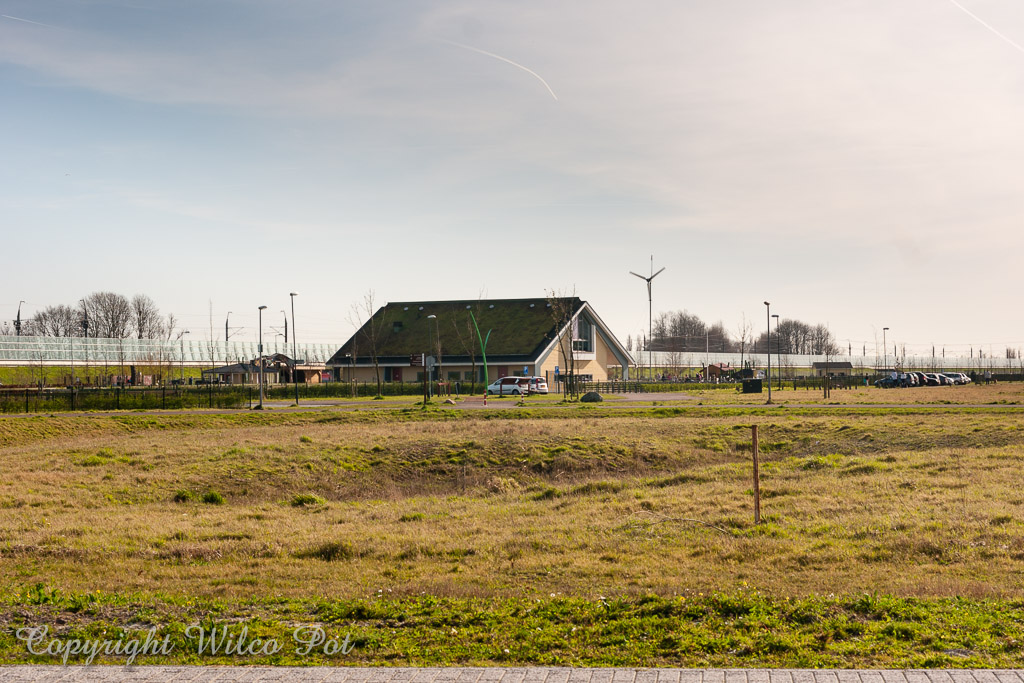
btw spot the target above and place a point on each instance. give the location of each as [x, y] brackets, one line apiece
[991, 28]
[507, 61]
[27, 21]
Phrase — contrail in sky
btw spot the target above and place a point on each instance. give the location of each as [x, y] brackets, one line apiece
[7, 16]
[981, 21]
[507, 61]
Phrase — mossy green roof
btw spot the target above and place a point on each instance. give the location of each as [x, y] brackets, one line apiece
[520, 328]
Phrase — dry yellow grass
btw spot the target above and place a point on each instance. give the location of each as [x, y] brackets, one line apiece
[915, 503]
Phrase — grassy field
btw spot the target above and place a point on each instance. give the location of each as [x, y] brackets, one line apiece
[549, 534]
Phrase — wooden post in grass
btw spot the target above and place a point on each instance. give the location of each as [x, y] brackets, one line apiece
[757, 475]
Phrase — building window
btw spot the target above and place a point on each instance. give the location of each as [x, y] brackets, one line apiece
[582, 335]
[454, 375]
[468, 375]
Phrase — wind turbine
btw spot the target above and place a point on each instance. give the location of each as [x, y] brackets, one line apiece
[650, 308]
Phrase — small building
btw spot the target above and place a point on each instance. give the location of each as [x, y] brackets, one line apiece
[832, 369]
[717, 370]
[521, 337]
[241, 373]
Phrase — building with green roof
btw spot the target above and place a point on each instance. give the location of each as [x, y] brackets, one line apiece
[524, 337]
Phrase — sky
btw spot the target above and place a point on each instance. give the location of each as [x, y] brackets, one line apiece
[855, 163]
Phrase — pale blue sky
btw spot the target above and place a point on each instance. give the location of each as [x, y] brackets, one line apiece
[855, 163]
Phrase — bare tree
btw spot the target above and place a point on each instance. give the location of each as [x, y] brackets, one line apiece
[56, 321]
[110, 315]
[563, 313]
[372, 331]
[465, 333]
[146, 317]
[745, 330]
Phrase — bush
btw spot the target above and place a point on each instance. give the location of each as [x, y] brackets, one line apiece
[183, 496]
[307, 500]
[213, 498]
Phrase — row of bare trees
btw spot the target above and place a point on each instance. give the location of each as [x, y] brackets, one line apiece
[101, 314]
[682, 332]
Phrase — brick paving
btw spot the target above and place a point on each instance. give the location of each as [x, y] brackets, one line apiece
[256, 674]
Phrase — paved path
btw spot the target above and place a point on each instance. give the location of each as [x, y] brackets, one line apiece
[223, 674]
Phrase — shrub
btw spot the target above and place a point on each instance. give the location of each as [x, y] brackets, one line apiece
[213, 498]
[183, 496]
[305, 439]
[307, 500]
[332, 551]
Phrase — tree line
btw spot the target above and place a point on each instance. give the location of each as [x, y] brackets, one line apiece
[685, 332]
[100, 314]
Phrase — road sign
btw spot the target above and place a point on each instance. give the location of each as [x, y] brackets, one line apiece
[416, 359]
[430, 362]
[556, 370]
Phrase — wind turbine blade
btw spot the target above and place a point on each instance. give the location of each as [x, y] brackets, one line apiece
[658, 273]
[639, 276]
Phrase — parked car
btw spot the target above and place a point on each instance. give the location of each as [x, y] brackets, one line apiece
[506, 386]
[957, 377]
[933, 379]
[886, 383]
[538, 385]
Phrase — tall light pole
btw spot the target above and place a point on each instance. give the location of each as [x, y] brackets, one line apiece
[437, 338]
[226, 334]
[768, 308]
[285, 316]
[650, 312]
[778, 350]
[261, 357]
[85, 333]
[295, 358]
[885, 350]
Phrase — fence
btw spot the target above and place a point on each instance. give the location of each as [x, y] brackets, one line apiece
[75, 399]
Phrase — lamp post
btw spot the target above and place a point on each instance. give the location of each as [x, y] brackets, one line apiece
[768, 308]
[295, 357]
[85, 333]
[226, 334]
[285, 316]
[437, 339]
[778, 350]
[885, 350]
[650, 313]
[181, 356]
[261, 380]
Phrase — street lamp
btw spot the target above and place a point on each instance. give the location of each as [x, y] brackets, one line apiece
[885, 350]
[226, 335]
[778, 350]
[261, 380]
[437, 338]
[295, 357]
[85, 333]
[768, 308]
[650, 312]
[285, 316]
